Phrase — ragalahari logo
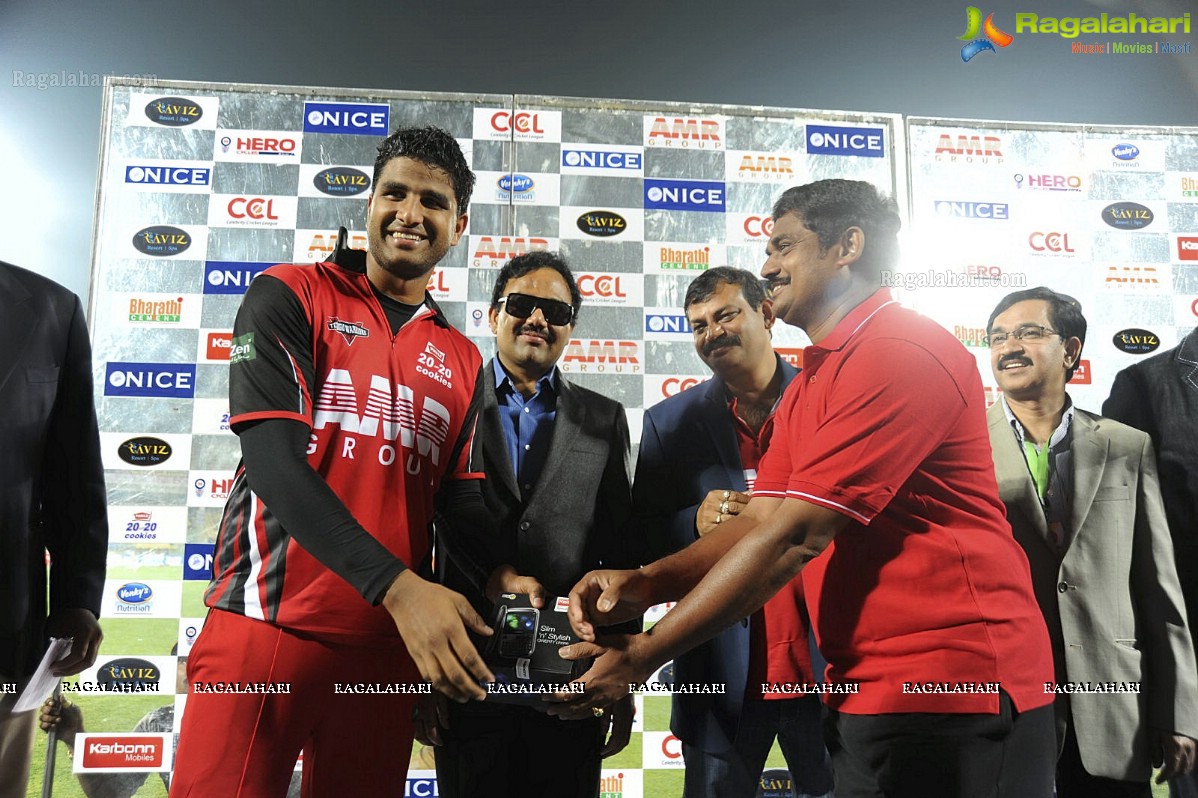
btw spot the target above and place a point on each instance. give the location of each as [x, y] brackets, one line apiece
[993, 35]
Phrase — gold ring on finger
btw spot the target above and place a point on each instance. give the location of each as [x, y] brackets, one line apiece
[597, 711]
[719, 517]
[723, 508]
[727, 495]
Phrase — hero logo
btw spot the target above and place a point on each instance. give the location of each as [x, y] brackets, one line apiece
[1049, 182]
[759, 226]
[230, 277]
[391, 415]
[219, 344]
[605, 286]
[1050, 242]
[492, 251]
[601, 356]
[664, 323]
[969, 149]
[972, 210]
[164, 380]
[521, 122]
[1187, 248]
[865, 142]
[216, 490]
[363, 119]
[684, 195]
[252, 208]
[672, 386]
[266, 146]
[685, 132]
[123, 751]
[168, 175]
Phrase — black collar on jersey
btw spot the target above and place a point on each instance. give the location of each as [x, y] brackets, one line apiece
[354, 260]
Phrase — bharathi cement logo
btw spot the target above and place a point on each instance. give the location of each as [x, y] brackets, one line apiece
[974, 26]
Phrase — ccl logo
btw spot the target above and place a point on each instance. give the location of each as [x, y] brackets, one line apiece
[671, 747]
[519, 122]
[672, 386]
[607, 286]
[252, 208]
[1050, 242]
[759, 226]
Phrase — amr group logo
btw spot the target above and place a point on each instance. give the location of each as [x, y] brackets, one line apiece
[991, 35]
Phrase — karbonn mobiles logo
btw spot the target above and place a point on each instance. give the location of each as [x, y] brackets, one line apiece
[494, 250]
[1052, 242]
[174, 111]
[684, 195]
[123, 751]
[341, 181]
[230, 277]
[865, 142]
[759, 226]
[1049, 182]
[1136, 341]
[1127, 216]
[362, 119]
[144, 452]
[974, 26]
[134, 593]
[684, 132]
[972, 210]
[1187, 248]
[161, 241]
[167, 175]
[602, 224]
[164, 380]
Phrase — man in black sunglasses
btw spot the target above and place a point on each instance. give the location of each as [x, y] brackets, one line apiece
[556, 457]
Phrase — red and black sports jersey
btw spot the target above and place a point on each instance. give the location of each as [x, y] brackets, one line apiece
[386, 413]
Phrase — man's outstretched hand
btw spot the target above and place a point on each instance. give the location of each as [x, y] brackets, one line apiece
[603, 598]
[432, 620]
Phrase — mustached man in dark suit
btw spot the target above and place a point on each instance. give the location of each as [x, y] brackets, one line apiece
[697, 464]
[556, 459]
[51, 498]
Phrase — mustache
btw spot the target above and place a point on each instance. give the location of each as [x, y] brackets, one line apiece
[727, 339]
[541, 332]
[1009, 359]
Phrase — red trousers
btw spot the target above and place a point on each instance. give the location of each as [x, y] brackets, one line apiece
[245, 745]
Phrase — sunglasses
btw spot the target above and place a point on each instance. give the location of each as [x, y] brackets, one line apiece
[522, 306]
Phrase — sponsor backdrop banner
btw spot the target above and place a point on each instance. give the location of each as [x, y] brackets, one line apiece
[202, 186]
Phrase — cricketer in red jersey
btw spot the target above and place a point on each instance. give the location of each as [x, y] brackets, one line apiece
[877, 487]
[352, 396]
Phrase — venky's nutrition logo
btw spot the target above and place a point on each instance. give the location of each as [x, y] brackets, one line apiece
[974, 26]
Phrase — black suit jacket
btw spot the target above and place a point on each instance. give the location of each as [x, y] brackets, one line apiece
[576, 517]
[51, 477]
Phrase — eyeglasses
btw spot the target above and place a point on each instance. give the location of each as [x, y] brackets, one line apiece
[1031, 333]
[523, 305]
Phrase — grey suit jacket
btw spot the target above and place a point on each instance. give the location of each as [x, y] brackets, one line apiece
[576, 517]
[52, 495]
[1109, 595]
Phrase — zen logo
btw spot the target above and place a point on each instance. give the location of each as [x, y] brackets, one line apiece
[993, 36]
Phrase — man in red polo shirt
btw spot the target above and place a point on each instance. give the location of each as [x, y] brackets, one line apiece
[878, 486]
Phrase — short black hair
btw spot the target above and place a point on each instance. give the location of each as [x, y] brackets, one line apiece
[706, 284]
[829, 207]
[434, 147]
[1064, 314]
[530, 262]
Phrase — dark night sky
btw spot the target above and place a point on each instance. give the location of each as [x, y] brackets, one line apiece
[864, 55]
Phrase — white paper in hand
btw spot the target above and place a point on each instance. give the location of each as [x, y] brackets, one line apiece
[43, 682]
